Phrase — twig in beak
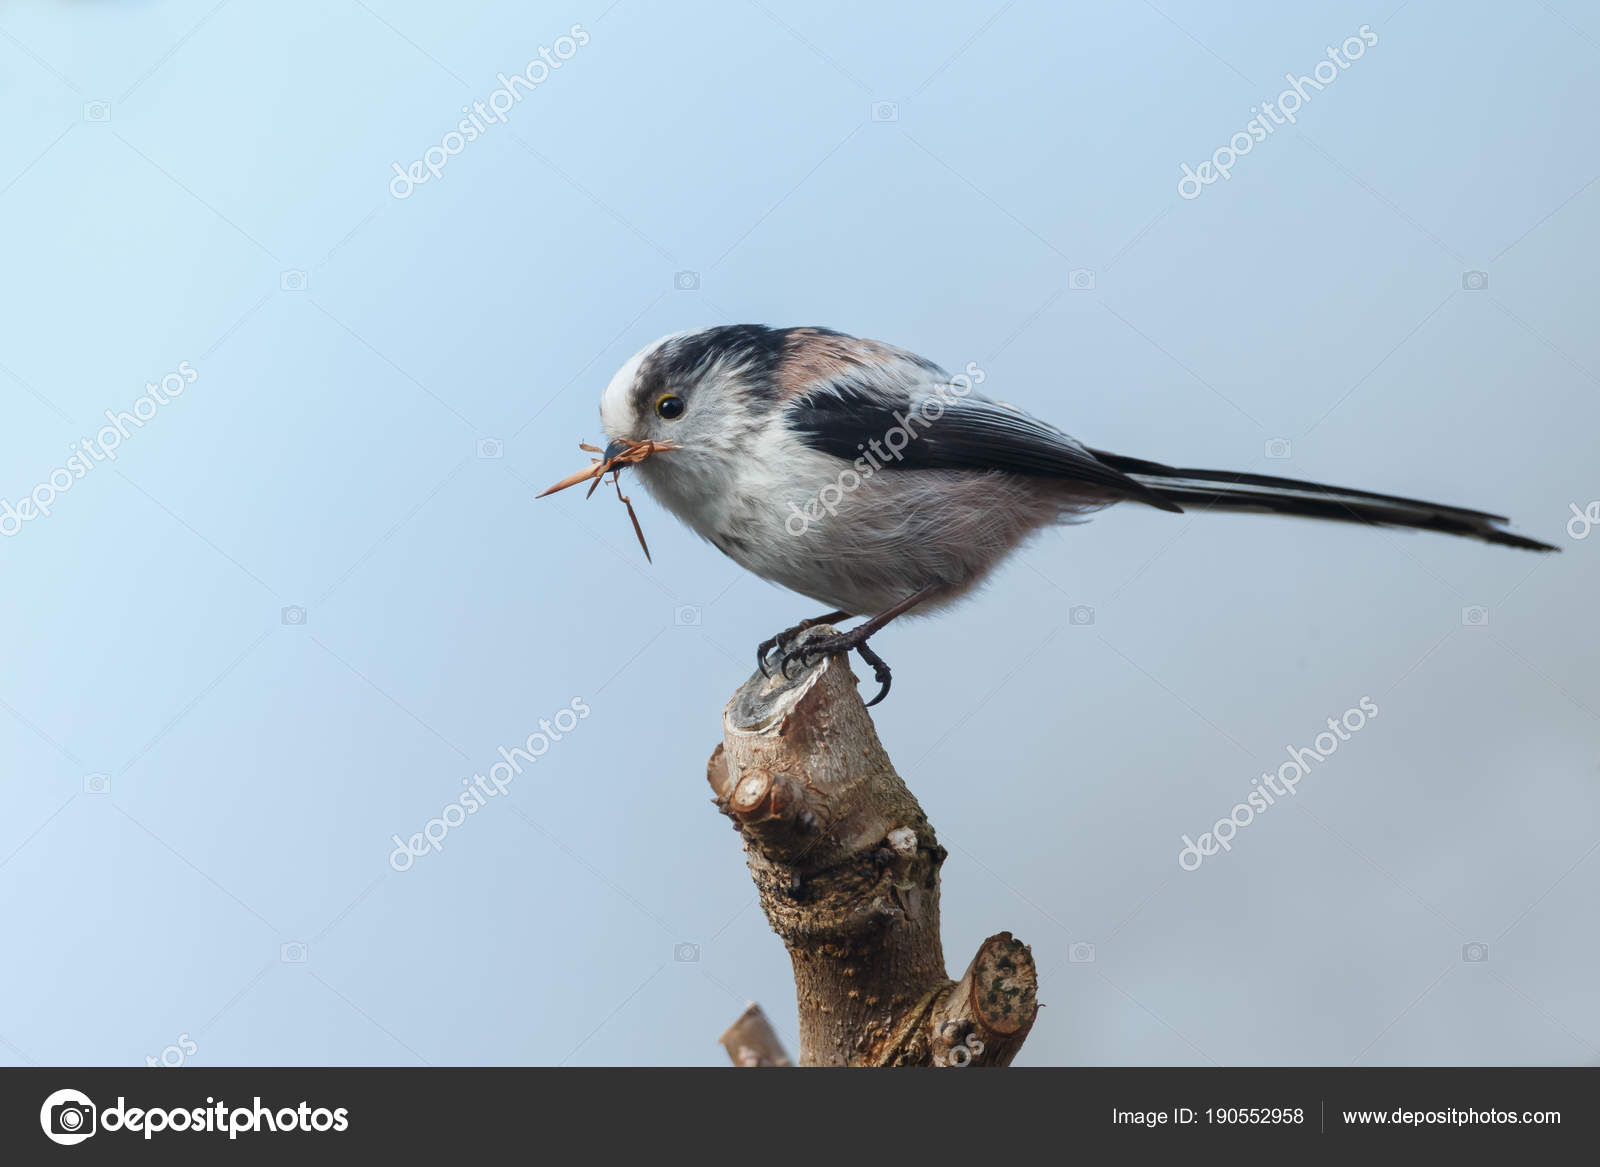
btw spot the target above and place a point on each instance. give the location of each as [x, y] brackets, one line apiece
[632, 454]
[595, 470]
[616, 481]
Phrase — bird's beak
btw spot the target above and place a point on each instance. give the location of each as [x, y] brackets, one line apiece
[613, 449]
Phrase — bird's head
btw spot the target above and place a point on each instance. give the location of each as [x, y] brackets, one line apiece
[708, 392]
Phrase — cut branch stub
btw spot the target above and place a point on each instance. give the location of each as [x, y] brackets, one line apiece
[751, 1040]
[986, 1015]
[847, 867]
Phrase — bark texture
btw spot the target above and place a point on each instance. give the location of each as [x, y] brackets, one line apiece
[847, 868]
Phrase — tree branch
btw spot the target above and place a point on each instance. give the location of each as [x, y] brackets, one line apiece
[847, 867]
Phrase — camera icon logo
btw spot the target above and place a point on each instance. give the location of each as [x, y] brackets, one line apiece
[1080, 615]
[1278, 449]
[97, 111]
[1475, 616]
[1475, 281]
[293, 952]
[1475, 953]
[490, 448]
[1080, 279]
[68, 1117]
[294, 614]
[1081, 953]
[686, 616]
[293, 280]
[686, 953]
[885, 111]
[97, 784]
[686, 281]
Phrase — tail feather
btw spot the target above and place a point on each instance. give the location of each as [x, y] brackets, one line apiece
[1264, 493]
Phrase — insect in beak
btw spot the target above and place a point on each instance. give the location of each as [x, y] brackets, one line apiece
[613, 458]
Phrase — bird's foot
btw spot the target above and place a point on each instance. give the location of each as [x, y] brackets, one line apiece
[840, 644]
[785, 638]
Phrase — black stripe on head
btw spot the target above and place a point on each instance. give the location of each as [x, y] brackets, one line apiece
[678, 364]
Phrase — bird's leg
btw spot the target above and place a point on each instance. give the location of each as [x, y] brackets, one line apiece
[783, 638]
[856, 638]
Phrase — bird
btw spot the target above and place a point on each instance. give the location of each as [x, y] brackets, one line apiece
[872, 481]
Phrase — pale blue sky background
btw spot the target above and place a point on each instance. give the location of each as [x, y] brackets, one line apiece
[168, 162]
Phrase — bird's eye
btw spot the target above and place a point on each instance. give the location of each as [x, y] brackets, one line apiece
[670, 407]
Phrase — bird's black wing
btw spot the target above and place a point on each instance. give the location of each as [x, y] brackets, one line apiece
[970, 432]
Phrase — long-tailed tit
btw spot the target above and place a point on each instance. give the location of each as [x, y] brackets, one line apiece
[874, 482]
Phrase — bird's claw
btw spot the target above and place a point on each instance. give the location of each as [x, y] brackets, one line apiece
[777, 651]
[762, 649]
[880, 672]
[807, 651]
[841, 645]
[783, 639]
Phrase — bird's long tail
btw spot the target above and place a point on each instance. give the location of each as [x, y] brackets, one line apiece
[1262, 493]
